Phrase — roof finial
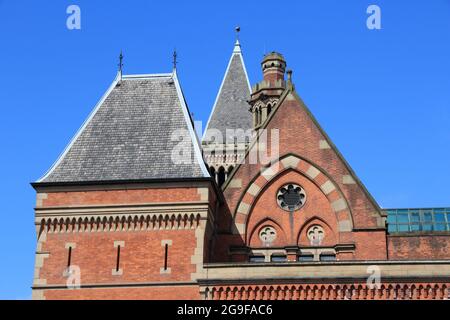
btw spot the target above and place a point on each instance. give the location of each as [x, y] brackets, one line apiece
[289, 82]
[120, 64]
[175, 62]
[237, 45]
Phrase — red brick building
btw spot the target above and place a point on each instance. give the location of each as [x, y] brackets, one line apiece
[265, 207]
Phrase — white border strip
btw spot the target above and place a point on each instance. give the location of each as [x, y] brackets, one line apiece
[237, 52]
[194, 137]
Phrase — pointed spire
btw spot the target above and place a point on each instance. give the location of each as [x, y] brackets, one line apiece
[230, 110]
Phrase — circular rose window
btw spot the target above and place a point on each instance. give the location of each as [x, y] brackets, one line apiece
[291, 197]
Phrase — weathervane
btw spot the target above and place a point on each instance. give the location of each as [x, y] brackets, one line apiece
[238, 29]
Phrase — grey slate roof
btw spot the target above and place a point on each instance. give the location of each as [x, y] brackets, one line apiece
[231, 110]
[129, 135]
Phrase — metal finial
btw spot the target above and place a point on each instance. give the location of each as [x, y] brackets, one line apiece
[175, 62]
[120, 62]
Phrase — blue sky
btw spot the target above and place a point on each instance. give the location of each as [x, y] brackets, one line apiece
[383, 96]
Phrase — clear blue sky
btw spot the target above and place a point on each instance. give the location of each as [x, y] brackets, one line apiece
[383, 96]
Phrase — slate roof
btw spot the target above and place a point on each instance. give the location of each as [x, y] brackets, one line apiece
[231, 110]
[128, 136]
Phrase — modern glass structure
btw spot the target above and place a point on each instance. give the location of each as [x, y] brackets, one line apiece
[418, 220]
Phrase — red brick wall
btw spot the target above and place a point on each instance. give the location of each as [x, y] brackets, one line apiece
[79, 198]
[432, 247]
[127, 293]
[141, 258]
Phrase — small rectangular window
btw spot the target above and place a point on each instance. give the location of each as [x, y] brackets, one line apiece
[278, 258]
[306, 258]
[327, 257]
[256, 259]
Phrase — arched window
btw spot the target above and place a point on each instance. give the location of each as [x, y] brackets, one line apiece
[269, 109]
[260, 115]
[256, 116]
[229, 170]
[212, 171]
[221, 176]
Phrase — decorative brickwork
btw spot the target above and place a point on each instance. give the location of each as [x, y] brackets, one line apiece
[386, 291]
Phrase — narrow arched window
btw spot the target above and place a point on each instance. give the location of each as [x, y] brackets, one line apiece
[256, 116]
[221, 176]
[260, 115]
[269, 109]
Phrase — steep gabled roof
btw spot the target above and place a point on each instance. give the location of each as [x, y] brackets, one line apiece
[132, 134]
[231, 110]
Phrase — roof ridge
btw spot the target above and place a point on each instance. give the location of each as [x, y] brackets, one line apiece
[146, 76]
